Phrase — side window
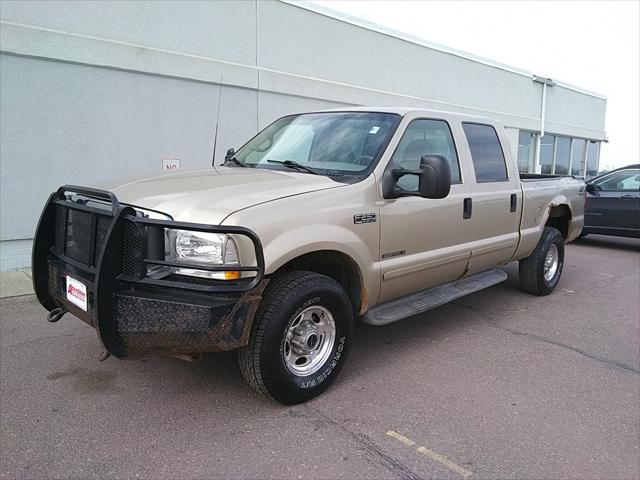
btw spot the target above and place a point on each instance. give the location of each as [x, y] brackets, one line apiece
[486, 153]
[623, 181]
[424, 137]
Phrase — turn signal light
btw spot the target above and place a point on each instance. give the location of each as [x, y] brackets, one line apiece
[231, 275]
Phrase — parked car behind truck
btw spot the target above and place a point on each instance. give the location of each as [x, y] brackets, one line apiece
[321, 218]
[613, 203]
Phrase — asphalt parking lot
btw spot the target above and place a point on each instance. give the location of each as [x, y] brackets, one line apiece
[499, 384]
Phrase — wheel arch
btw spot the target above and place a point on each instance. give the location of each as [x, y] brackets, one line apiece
[559, 217]
[337, 265]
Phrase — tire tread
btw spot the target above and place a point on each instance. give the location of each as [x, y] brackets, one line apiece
[531, 276]
[249, 356]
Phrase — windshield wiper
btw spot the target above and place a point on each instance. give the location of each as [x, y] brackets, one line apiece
[233, 160]
[295, 165]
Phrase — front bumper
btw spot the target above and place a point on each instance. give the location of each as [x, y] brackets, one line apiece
[134, 312]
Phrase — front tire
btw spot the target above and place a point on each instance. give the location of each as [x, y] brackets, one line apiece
[299, 339]
[540, 272]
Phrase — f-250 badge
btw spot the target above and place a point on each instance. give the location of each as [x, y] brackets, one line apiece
[364, 218]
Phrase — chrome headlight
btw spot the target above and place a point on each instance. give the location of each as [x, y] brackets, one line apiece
[206, 248]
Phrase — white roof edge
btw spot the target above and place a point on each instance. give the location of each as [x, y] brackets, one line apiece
[584, 91]
[367, 25]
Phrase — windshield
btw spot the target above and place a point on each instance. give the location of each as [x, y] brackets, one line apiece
[331, 143]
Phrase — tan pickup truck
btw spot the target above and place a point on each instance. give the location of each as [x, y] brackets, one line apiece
[321, 218]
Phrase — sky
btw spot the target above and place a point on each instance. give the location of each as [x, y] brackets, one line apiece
[591, 44]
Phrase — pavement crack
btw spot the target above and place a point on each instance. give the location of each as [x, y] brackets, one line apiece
[532, 336]
[371, 448]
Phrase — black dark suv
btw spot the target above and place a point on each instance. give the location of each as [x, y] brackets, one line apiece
[613, 203]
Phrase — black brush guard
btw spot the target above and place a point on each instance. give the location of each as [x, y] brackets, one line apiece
[134, 313]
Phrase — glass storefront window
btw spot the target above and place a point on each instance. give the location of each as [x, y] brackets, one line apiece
[579, 148]
[525, 151]
[547, 143]
[563, 151]
[593, 154]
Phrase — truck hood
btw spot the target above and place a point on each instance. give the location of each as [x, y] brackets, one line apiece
[209, 196]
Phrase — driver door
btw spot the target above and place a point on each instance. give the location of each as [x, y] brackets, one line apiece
[423, 242]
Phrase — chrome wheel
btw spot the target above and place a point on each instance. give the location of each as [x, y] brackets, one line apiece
[551, 262]
[309, 340]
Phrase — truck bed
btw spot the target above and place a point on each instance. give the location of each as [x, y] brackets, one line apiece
[544, 176]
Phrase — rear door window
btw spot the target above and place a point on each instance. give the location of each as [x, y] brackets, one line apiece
[486, 153]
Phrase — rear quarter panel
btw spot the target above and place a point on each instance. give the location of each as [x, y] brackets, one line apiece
[540, 196]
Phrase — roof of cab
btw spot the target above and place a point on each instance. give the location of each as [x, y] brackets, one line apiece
[421, 111]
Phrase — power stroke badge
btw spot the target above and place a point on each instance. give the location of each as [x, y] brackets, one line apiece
[364, 218]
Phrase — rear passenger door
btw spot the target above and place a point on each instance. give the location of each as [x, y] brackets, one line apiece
[496, 197]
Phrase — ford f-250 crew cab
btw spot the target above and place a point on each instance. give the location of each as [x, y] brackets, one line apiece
[319, 219]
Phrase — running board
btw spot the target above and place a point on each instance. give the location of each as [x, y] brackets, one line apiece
[425, 300]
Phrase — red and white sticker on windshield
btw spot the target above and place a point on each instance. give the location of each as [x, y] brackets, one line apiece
[77, 293]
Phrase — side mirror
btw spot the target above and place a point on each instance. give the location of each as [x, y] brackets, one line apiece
[435, 176]
[434, 179]
[229, 154]
[592, 189]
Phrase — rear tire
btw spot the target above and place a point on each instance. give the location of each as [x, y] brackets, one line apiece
[299, 339]
[540, 272]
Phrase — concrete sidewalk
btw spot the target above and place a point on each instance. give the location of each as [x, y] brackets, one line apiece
[14, 284]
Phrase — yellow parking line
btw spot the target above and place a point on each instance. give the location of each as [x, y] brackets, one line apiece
[401, 438]
[431, 454]
[445, 461]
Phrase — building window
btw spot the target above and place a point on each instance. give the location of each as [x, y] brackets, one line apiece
[525, 151]
[563, 152]
[547, 146]
[593, 157]
[486, 153]
[578, 154]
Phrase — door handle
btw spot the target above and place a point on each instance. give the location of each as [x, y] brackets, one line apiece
[629, 197]
[467, 206]
[514, 202]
